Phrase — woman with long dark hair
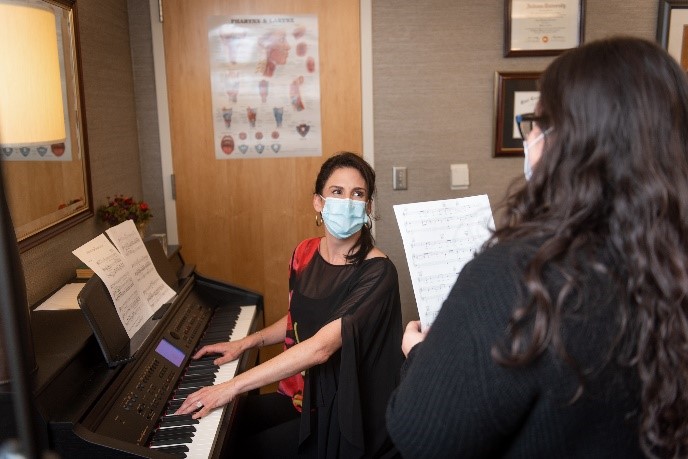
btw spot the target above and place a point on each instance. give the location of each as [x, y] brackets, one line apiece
[341, 337]
[567, 336]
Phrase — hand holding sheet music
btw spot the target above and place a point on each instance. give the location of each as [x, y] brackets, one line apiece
[439, 238]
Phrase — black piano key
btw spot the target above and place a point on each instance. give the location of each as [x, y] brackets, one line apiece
[205, 360]
[178, 420]
[173, 432]
[176, 450]
[219, 333]
[172, 441]
[203, 370]
[193, 377]
[186, 391]
[175, 404]
[198, 382]
[199, 368]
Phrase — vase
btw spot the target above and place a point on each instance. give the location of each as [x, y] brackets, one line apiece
[142, 228]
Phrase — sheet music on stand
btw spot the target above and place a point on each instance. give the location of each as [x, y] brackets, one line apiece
[439, 238]
[125, 267]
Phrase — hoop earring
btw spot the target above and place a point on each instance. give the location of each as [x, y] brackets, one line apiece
[318, 220]
[369, 223]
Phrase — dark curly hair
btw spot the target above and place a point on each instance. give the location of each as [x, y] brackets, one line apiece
[613, 176]
[344, 159]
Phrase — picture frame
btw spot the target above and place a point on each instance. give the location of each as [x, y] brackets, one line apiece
[672, 29]
[515, 93]
[542, 27]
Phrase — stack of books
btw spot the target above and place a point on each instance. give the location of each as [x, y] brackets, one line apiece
[83, 272]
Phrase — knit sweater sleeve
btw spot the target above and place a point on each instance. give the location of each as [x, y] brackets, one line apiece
[454, 401]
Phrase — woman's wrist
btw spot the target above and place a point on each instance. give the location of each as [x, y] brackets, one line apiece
[259, 339]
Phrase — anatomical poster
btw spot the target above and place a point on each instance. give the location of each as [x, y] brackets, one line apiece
[265, 83]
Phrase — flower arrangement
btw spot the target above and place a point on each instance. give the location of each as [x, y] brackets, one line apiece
[121, 208]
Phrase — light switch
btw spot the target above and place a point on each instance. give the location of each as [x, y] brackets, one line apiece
[459, 176]
[399, 178]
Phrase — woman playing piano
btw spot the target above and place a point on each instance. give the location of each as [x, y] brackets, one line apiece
[342, 337]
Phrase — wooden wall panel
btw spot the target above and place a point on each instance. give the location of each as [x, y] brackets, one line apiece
[239, 220]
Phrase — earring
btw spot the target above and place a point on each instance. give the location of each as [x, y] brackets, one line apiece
[318, 220]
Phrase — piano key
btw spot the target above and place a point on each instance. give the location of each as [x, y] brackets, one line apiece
[178, 420]
[200, 445]
[182, 439]
[174, 432]
[176, 450]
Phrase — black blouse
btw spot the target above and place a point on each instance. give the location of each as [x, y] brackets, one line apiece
[344, 399]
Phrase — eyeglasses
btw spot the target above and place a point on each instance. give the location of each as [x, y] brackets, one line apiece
[526, 123]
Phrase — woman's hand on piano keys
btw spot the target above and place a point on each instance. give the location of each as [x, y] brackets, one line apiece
[200, 403]
[229, 351]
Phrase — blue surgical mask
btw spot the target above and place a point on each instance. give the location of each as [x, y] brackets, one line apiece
[527, 168]
[344, 217]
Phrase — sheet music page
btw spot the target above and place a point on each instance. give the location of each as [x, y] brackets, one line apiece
[439, 238]
[128, 241]
[104, 259]
[65, 298]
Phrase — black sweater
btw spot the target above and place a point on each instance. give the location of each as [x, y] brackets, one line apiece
[455, 401]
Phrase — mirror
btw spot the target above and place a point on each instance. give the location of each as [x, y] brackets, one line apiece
[42, 129]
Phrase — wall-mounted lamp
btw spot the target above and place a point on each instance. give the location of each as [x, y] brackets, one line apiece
[31, 107]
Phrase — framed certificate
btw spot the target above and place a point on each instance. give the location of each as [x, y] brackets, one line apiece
[672, 29]
[542, 27]
[516, 93]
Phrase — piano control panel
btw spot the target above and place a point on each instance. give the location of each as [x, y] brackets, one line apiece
[150, 385]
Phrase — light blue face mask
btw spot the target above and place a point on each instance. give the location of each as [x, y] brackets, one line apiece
[527, 168]
[344, 217]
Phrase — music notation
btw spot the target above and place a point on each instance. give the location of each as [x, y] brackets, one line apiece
[439, 238]
[126, 269]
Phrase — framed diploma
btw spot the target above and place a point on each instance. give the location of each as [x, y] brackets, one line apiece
[672, 29]
[542, 27]
[516, 93]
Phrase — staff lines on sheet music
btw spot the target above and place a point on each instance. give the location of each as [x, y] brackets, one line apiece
[431, 278]
[441, 257]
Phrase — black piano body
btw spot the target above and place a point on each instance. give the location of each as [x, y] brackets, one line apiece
[89, 404]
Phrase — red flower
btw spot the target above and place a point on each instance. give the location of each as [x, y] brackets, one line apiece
[120, 208]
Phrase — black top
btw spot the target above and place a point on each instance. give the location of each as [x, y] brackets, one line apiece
[455, 401]
[344, 399]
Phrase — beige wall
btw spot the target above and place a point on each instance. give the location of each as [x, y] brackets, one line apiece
[433, 71]
[434, 64]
